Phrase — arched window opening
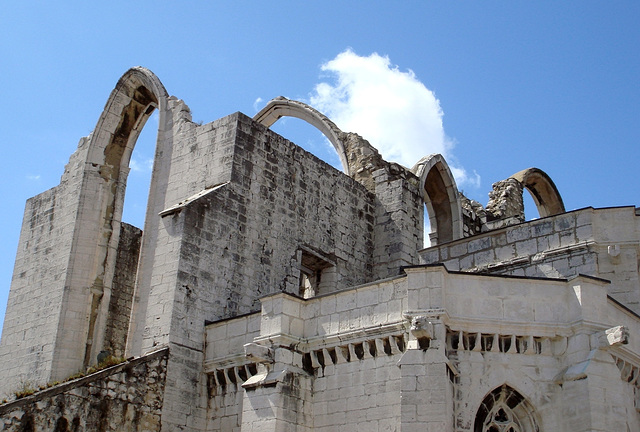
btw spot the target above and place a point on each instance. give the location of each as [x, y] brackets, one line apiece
[136, 182]
[530, 209]
[117, 245]
[139, 178]
[439, 206]
[544, 193]
[283, 107]
[309, 138]
[441, 198]
[505, 410]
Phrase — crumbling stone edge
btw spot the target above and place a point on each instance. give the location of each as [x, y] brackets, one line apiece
[79, 382]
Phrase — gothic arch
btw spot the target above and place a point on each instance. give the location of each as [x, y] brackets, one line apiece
[283, 107]
[441, 198]
[101, 197]
[543, 191]
[504, 409]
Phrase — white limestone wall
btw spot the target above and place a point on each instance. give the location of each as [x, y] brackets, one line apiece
[617, 232]
[358, 365]
[596, 242]
[540, 337]
[33, 311]
[356, 393]
[359, 395]
[38, 298]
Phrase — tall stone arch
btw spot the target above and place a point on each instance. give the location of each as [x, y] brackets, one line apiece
[543, 191]
[69, 242]
[504, 409]
[441, 198]
[136, 95]
[283, 107]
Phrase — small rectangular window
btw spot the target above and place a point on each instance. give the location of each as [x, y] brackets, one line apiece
[317, 274]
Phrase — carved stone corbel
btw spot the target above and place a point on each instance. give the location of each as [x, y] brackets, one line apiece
[613, 336]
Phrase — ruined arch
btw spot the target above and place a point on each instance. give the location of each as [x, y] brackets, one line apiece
[283, 107]
[441, 198]
[543, 191]
[100, 202]
[504, 409]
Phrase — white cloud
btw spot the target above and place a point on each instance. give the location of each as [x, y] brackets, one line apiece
[257, 103]
[140, 165]
[33, 177]
[390, 108]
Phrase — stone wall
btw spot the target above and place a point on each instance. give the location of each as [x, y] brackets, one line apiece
[269, 212]
[350, 359]
[243, 238]
[125, 397]
[515, 250]
[226, 370]
[362, 394]
[339, 369]
[36, 296]
[122, 290]
[595, 242]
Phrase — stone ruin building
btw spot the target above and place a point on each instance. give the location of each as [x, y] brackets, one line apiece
[272, 292]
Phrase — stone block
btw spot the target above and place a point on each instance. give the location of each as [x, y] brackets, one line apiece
[458, 249]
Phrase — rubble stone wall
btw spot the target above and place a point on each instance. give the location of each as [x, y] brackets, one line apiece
[126, 397]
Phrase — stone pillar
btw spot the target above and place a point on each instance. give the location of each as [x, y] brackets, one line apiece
[278, 397]
[427, 391]
[399, 228]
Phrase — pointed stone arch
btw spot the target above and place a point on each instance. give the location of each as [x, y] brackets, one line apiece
[283, 107]
[441, 198]
[504, 409]
[100, 198]
[543, 191]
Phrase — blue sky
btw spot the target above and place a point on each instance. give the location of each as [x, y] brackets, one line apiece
[505, 85]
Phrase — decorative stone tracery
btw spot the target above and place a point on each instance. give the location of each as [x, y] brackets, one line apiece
[505, 410]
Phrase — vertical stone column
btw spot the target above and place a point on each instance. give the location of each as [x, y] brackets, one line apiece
[399, 228]
[427, 392]
[278, 397]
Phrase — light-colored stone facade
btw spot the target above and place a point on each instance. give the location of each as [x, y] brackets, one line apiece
[286, 295]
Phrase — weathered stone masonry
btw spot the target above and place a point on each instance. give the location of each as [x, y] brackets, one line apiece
[125, 397]
[272, 292]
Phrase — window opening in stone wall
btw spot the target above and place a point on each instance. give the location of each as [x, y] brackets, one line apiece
[530, 208]
[505, 410]
[427, 228]
[438, 207]
[143, 137]
[309, 138]
[139, 179]
[317, 275]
